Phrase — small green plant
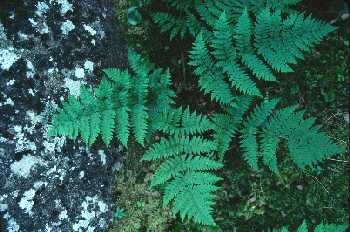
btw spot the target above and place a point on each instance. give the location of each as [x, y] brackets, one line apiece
[119, 102]
[185, 169]
[119, 213]
[319, 228]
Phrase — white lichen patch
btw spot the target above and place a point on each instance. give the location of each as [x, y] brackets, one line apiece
[3, 207]
[22, 36]
[31, 92]
[90, 30]
[81, 174]
[33, 22]
[27, 201]
[21, 141]
[79, 72]
[8, 102]
[8, 57]
[89, 212]
[30, 69]
[63, 215]
[89, 66]
[102, 156]
[12, 225]
[10, 82]
[38, 184]
[34, 119]
[67, 26]
[42, 27]
[23, 167]
[73, 86]
[103, 206]
[54, 144]
[65, 6]
[41, 9]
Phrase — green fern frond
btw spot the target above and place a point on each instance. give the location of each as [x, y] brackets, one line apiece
[319, 228]
[139, 122]
[193, 123]
[331, 228]
[119, 103]
[186, 24]
[122, 125]
[281, 42]
[307, 145]
[222, 41]
[184, 173]
[225, 128]
[172, 167]
[210, 79]
[160, 95]
[192, 195]
[176, 145]
[108, 125]
[249, 143]
[244, 33]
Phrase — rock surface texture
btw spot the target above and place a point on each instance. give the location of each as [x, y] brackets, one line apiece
[49, 48]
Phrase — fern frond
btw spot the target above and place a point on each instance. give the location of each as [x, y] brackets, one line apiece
[192, 195]
[306, 143]
[225, 127]
[65, 121]
[172, 167]
[319, 228]
[244, 33]
[210, 80]
[222, 41]
[269, 150]
[241, 80]
[331, 228]
[119, 103]
[161, 95]
[107, 125]
[196, 202]
[281, 42]
[183, 25]
[193, 123]
[176, 145]
[248, 138]
[139, 122]
[122, 125]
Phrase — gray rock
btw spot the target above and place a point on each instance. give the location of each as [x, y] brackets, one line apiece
[52, 184]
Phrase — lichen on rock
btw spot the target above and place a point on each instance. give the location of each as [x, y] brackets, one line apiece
[52, 184]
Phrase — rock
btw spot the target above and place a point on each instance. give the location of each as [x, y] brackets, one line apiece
[48, 48]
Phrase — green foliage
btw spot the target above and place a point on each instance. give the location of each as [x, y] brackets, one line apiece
[306, 144]
[184, 173]
[319, 228]
[120, 102]
[189, 17]
[278, 41]
[119, 213]
[238, 46]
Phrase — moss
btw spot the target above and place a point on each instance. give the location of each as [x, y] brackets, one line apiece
[142, 205]
[131, 33]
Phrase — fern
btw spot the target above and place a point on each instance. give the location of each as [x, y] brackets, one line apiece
[306, 143]
[184, 173]
[225, 125]
[281, 42]
[211, 80]
[270, 43]
[121, 102]
[319, 228]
